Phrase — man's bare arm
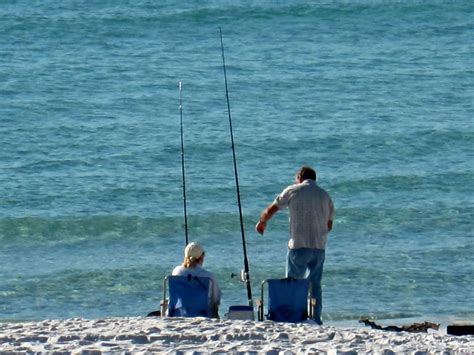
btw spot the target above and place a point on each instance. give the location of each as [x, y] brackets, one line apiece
[266, 215]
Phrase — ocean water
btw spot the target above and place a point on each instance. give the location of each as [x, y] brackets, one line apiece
[376, 95]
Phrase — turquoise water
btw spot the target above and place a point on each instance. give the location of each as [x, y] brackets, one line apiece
[376, 95]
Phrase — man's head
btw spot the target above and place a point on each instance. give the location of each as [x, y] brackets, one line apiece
[305, 173]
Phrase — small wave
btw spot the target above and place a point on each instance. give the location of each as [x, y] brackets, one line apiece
[386, 182]
[30, 231]
[40, 230]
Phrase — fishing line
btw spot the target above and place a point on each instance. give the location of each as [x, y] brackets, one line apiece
[180, 86]
[246, 275]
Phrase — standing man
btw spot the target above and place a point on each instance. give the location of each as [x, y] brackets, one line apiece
[311, 219]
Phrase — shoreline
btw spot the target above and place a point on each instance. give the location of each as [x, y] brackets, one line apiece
[154, 334]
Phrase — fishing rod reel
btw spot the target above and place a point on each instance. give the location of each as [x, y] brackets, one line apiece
[243, 276]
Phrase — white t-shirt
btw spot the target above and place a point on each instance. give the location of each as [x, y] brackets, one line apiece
[200, 272]
[310, 208]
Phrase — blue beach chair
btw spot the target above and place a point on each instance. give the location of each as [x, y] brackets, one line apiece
[189, 296]
[288, 300]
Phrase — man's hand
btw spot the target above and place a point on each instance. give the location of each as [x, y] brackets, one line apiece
[260, 227]
[266, 215]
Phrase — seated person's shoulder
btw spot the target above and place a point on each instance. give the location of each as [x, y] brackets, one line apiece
[203, 272]
[179, 271]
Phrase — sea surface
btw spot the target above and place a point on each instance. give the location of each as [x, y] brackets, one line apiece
[376, 95]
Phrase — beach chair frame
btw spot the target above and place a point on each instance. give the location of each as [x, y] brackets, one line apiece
[165, 302]
[311, 302]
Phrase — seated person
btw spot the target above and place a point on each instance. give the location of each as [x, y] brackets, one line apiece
[192, 265]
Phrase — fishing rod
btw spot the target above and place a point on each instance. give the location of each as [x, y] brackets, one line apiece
[180, 86]
[246, 275]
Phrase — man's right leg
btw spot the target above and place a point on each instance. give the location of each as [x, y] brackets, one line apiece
[315, 275]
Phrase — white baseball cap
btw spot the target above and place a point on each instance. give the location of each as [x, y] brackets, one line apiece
[193, 250]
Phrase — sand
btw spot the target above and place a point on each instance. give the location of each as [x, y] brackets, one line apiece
[202, 335]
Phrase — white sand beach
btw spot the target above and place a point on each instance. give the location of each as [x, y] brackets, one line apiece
[191, 335]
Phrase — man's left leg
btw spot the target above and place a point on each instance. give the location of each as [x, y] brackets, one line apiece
[297, 262]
